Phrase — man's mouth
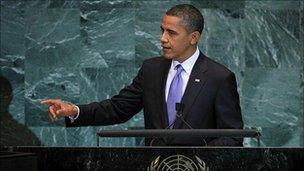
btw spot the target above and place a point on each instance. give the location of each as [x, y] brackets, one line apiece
[165, 47]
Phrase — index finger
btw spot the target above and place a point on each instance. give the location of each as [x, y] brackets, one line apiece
[50, 102]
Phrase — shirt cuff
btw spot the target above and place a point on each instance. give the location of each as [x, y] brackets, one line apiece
[74, 117]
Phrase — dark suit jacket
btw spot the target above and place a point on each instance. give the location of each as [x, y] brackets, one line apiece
[211, 103]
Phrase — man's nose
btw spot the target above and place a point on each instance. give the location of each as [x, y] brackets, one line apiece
[163, 38]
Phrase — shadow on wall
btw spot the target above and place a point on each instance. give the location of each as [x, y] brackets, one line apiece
[12, 132]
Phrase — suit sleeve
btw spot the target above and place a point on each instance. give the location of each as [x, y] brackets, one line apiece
[118, 109]
[228, 111]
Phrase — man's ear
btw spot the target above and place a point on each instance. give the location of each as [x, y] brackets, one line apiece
[195, 37]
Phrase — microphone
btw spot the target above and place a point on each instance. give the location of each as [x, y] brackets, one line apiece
[179, 107]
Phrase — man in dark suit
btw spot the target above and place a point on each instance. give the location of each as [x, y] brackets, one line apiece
[206, 89]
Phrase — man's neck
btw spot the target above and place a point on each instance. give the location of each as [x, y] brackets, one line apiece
[188, 55]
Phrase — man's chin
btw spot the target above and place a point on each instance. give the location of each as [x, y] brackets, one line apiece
[166, 56]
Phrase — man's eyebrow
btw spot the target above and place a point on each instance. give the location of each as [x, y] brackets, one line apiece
[171, 30]
[161, 27]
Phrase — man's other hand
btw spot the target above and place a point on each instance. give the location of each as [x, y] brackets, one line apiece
[59, 107]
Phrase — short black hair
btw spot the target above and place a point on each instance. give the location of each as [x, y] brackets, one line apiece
[192, 18]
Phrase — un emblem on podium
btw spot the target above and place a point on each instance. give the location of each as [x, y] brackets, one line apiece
[178, 163]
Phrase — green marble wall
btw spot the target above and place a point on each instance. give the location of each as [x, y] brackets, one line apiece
[84, 51]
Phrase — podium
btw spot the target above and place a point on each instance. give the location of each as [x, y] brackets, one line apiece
[165, 133]
[13, 161]
[160, 158]
[157, 158]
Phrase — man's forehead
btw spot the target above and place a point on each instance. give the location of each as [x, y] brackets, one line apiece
[171, 22]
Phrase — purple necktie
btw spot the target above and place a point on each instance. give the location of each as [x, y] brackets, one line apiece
[175, 93]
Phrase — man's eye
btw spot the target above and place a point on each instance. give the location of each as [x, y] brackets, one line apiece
[172, 32]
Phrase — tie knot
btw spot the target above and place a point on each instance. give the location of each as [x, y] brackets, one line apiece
[179, 69]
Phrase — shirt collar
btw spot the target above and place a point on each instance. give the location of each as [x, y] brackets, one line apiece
[189, 63]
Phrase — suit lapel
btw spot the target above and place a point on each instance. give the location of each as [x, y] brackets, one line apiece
[164, 69]
[195, 83]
